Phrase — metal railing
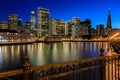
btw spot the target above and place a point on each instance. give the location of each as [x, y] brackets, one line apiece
[100, 68]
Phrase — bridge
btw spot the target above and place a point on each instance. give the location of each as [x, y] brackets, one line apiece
[114, 35]
[114, 39]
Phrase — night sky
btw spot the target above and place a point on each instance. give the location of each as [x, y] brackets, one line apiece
[96, 10]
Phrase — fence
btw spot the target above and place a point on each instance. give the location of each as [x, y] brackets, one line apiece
[101, 68]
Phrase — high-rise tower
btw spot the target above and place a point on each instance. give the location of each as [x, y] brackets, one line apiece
[43, 22]
[13, 22]
[32, 20]
[109, 24]
[20, 24]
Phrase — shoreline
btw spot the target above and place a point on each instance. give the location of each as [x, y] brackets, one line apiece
[18, 43]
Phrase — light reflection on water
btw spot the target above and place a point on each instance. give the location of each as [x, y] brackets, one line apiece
[48, 53]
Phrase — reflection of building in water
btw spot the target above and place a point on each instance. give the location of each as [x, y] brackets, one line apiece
[66, 49]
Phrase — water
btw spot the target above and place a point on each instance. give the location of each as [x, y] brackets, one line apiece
[48, 53]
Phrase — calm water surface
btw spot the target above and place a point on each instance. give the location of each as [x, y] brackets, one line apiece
[48, 53]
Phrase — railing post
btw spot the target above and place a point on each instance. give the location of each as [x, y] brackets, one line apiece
[26, 68]
[102, 52]
[103, 64]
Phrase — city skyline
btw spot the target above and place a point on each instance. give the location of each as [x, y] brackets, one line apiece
[95, 10]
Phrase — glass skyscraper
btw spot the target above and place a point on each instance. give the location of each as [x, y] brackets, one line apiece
[32, 20]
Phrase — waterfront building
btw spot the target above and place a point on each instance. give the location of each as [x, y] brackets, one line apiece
[57, 27]
[100, 30]
[43, 22]
[93, 32]
[74, 31]
[53, 27]
[32, 20]
[8, 37]
[20, 24]
[13, 22]
[85, 27]
[26, 27]
[76, 21]
[68, 29]
[71, 29]
[3, 25]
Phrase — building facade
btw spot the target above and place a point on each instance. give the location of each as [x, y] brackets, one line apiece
[85, 27]
[69, 29]
[20, 24]
[100, 30]
[32, 20]
[13, 22]
[43, 22]
[109, 24]
[76, 21]
[26, 27]
[3, 25]
[57, 27]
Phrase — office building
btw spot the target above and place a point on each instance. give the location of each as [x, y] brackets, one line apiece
[3, 25]
[76, 21]
[13, 22]
[43, 22]
[57, 27]
[20, 24]
[26, 27]
[32, 20]
[85, 27]
[68, 29]
[100, 30]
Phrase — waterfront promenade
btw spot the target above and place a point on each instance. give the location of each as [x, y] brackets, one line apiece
[34, 40]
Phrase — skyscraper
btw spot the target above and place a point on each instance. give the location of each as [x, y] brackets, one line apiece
[3, 25]
[57, 27]
[100, 30]
[13, 22]
[20, 24]
[32, 20]
[109, 24]
[43, 22]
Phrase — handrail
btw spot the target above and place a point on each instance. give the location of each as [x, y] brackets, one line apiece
[11, 73]
[84, 65]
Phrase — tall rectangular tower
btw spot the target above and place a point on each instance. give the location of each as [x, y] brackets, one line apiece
[13, 22]
[32, 20]
[43, 22]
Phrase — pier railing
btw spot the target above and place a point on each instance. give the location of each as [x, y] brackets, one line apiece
[100, 68]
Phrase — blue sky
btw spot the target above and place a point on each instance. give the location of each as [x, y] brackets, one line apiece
[96, 10]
